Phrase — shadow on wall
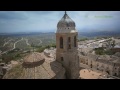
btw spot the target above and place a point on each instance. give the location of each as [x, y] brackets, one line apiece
[33, 64]
[58, 70]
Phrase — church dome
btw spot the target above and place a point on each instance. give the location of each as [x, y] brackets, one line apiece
[66, 21]
[37, 66]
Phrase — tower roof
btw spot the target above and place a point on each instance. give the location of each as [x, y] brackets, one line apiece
[66, 21]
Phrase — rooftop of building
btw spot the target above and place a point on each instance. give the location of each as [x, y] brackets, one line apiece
[45, 68]
[109, 58]
[91, 74]
[102, 58]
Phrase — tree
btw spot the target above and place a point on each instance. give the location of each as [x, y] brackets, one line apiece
[53, 45]
[48, 46]
[41, 49]
[113, 44]
[32, 45]
[109, 44]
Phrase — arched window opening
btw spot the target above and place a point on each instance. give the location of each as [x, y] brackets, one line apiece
[69, 43]
[97, 66]
[86, 62]
[81, 61]
[75, 41]
[91, 65]
[61, 42]
[115, 74]
[69, 46]
[108, 72]
[62, 59]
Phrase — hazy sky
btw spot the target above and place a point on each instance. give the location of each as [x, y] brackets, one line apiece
[46, 21]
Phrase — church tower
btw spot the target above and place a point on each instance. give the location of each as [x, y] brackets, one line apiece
[66, 46]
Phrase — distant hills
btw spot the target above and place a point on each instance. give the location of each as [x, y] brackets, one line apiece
[86, 34]
[100, 33]
[24, 33]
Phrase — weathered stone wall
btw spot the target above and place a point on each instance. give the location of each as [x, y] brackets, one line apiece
[70, 56]
[60, 75]
[71, 64]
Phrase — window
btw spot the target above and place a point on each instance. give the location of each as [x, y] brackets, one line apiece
[97, 65]
[108, 72]
[115, 74]
[91, 65]
[75, 41]
[86, 62]
[69, 46]
[69, 39]
[61, 42]
[114, 64]
[81, 61]
[69, 43]
[62, 59]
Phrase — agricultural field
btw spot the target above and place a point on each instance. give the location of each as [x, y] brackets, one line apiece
[43, 39]
[24, 42]
[14, 47]
[22, 45]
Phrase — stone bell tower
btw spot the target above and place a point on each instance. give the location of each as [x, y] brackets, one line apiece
[66, 46]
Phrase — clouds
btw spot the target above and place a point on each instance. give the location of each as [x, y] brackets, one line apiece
[11, 15]
[105, 20]
[30, 21]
